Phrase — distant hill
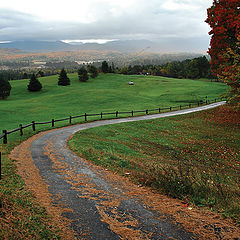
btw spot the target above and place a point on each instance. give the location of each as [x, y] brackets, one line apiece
[10, 51]
[120, 46]
[53, 46]
[36, 46]
[124, 46]
[120, 52]
[172, 45]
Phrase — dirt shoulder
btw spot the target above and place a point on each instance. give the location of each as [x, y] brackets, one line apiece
[34, 182]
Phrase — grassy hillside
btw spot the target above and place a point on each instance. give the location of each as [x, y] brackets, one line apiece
[21, 217]
[194, 157]
[105, 93]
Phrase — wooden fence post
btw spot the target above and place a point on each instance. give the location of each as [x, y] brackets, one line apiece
[132, 113]
[189, 104]
[147, 112]
[52, 122]
[85, 117]
[33, 126]
[170, 108]
[4, 136]
[180, 107]
[159, 110]
[101, 115]
[21, 129]
[70, 120]
[116, 114]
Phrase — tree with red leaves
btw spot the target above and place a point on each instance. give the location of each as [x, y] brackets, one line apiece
[224, 19]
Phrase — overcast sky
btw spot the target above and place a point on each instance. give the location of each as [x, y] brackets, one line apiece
[104, 19]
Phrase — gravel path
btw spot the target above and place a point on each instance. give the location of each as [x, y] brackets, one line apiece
[100, 204]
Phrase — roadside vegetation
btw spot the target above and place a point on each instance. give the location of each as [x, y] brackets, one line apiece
[194, 157]
[21, 216]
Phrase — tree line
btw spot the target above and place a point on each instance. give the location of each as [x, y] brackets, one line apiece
[9, 75]
[191, 68]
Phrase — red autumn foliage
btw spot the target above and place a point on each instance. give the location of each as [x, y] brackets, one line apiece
[224, 19]
[224, 116]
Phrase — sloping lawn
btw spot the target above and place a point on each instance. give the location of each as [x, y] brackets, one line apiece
[108, 92]
[195, 157]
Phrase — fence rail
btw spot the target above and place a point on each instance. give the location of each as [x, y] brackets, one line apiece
[33, 124]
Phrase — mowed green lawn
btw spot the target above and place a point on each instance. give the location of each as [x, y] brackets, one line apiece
[106, 93]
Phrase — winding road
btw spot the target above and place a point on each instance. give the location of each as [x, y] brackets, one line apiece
[99, 204]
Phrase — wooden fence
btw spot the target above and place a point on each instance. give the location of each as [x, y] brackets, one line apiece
[33, 124]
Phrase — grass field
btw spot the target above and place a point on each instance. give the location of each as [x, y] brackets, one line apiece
[21, 217]
[195, 157]
[106, 93]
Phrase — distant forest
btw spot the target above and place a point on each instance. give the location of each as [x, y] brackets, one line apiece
[191, 68]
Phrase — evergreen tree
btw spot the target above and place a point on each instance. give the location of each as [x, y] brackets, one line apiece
[5, 89]
[93, 71]
[105, 68]
[82, 74]
[34, 85]
[63, 79]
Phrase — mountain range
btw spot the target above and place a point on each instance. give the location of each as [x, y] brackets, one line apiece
[182, 45]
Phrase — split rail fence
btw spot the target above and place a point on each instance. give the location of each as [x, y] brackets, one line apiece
[33, 124]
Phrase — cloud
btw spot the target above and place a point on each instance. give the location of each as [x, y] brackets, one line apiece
[104, 19]
[15, 25]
